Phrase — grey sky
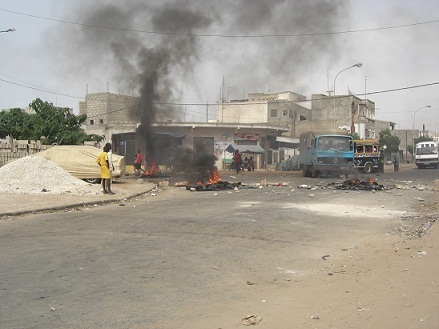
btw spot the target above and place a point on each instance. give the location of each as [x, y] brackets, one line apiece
[64, 58]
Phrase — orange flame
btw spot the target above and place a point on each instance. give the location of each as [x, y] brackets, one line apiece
[214, 177]
[153, 170]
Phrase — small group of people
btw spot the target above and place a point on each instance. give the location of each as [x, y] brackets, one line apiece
[382, 162]
[104, 160]
[239, 165]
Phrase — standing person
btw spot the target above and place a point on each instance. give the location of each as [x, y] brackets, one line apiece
[251, 164]
[237, 161]
[381, 162]
[103, 162]
[138, 163]
[395, 163]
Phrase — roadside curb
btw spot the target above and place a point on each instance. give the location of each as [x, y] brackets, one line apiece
[73, 205]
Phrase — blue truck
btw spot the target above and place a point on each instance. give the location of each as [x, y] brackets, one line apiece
[326, 154]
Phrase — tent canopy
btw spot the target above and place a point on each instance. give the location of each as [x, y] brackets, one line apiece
[250, 149]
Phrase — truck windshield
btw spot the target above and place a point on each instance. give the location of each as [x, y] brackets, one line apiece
[426, 150]
[332, 143]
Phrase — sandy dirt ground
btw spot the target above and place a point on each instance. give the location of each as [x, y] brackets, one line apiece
[385, 274]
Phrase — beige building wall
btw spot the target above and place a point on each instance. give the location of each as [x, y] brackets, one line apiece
[242, 112]
[108, 113]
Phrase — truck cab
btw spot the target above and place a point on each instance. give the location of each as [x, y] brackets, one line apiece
[326, 154]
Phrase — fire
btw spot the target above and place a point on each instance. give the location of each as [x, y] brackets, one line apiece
[214, 177]
[153, 170]
[371, 180]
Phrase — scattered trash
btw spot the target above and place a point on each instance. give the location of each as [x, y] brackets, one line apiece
[422, 253]
[249, 283]
[52, 309]
[325, 256]
[315, 317]
[357, 184]
[250, 320]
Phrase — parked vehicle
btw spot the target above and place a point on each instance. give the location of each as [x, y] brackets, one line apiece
[324, 154]
[367, 155]
[80, 161]
[427, 154]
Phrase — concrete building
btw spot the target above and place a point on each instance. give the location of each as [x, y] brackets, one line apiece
[110, 115]
[349, 112]
[282, 109]
[272, 121]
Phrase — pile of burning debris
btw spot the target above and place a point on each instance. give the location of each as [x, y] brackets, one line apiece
[212, 183]
[151, 171]
[357, 184]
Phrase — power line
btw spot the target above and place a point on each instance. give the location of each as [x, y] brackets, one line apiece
[40, 89]
[305, 34]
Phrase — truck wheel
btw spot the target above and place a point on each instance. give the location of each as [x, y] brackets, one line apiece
[368, 168]
[314, 172]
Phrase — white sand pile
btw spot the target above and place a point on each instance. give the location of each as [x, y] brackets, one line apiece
[36, 175]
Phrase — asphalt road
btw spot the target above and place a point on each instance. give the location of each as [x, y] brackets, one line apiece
[182, 258]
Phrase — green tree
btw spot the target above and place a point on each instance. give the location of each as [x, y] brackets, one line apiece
[391, 141]
[355, 136]
[423, 139]
[58, 125]
[49, 124]
[16, 124]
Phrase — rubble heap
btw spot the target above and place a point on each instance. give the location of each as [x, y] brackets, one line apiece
[36, 175]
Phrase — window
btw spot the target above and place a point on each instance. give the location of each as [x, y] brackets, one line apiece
[92, 122]
[101, 120]
[284, 113]
[273, 113]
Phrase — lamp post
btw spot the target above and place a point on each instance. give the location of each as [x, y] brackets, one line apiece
[414, 120]
[8, 30]
[355, 65]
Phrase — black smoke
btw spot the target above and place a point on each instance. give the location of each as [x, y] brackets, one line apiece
[169, 51]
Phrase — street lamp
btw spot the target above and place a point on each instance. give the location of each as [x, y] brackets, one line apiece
[355, 65]
[8, 30]
[414, 120]
[414, 115]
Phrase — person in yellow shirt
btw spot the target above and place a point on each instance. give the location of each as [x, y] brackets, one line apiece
[103, 161]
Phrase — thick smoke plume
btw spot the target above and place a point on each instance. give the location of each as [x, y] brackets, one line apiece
[190, 49]
[174, 54]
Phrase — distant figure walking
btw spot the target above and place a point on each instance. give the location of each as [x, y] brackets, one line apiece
[381, 162]
[251, 164]
[237, 161]
[138, 163]
[395, 163]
